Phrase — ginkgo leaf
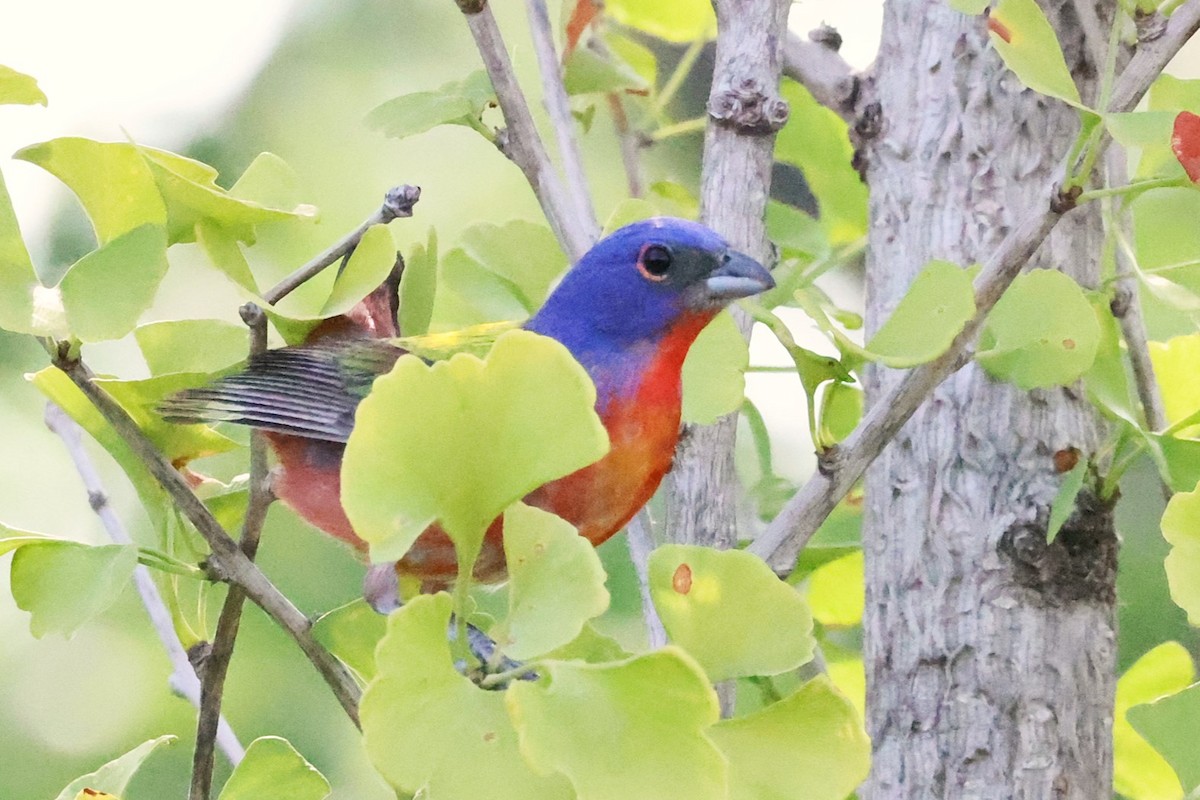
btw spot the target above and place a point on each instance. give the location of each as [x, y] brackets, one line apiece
[428, 443]
[273, 768]
[114, 777]
[17, 88]
[1138, 770]
[940, 301]
[1026, 41]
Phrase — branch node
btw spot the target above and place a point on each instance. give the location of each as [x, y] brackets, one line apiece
[252, 315]
[1150, 25]
[471, 7]
[747, 107]
[829, 460]
[97, 499]
[826, 36]
[198, 655]
[1065, 199]
[1122, 301]
[399, 202]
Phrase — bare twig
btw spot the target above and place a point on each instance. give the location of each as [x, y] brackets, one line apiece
[521, 141]
[641, 542]
[216, 661]
[744, 110]
[787, 534]
[398, 202]
[227, 560]
[818, 67]
[183, 678]
[630, 149]
[554, 95]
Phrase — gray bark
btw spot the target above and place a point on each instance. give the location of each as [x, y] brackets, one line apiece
[745, 111]
[989, 655]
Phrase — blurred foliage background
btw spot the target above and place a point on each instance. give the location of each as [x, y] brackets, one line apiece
[67, 706]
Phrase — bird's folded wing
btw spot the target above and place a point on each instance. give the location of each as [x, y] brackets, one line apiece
[310, 391]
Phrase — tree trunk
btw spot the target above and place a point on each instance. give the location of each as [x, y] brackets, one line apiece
[989, 654]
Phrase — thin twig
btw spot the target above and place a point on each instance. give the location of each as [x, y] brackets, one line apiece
[630, 148]
[183, 678]
[216, 661]
[227, 560]
[398, 202]
[521, 142]
[554, 96]
[787, 534]
[641, 543]
[828, 77]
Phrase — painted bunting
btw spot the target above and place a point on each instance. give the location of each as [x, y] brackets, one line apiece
[627, 311]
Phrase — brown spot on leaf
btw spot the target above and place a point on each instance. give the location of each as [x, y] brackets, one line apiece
[681, 581]
[1068, 344]
[489, 737]
[997, 27]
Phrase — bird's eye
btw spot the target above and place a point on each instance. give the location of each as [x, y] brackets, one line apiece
[655, 261]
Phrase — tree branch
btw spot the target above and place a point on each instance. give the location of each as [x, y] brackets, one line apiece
[745, 111]
[554, 96]
[216, 661]
[398, 202]
[817, 66]
[183, 678]
[520, 142]
[227, 560]
[641, 543]
[787, 534]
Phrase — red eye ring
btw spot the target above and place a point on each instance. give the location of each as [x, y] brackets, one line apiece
[654, 262]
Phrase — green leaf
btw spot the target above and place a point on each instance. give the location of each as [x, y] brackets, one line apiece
[1138, 770]
[835, 591]
[970, 7]
[556, 583]
[729, 611]
[640, 58]
[1026, 41]
[1107, 381]
[629, 210]
[273, 768]
[809, 745]
[1166, 238]
[1170, 725]
[1064, 501]
[17, 88]
[63, 584]
[673, 20]
[368, 266]
[21, 293]
[524, 254]
[106, 291]
[1178, 460]
[590, 646]
[795, 232]
[469, 294]
[426, 727]
[192, 196]
[111, 179]
[586, 71]
[450, 457]
[455, 103]
[634, 729]
[1148, 135]
[1181, 528]
[268, 181]
[1175, 367]
[114, 776]
[352, 632]
[940, 301]
[1042, 332]
[816, 141]
[191, 345]
[226, 255]
[714, 379]
[841, 411]
[418, 288]
[678, 199]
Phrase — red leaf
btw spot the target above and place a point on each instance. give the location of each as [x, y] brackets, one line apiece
[1185, 141]
[583, 15]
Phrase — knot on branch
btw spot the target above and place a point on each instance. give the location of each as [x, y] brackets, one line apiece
[471, 6]
[399, 202]
[826, 36]
[1150, 26]
[1079, 566]
[1065, 199]
[198, 655]
[748, 107]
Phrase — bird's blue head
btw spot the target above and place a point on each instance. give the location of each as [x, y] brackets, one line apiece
[639, 283]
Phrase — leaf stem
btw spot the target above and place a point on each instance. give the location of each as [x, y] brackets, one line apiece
[678, 75]
[696, 125]
[1129, 190]
[514, 674]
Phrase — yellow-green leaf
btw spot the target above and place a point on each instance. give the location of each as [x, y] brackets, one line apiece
[940, 301]
[809, 745]
[1177, 368]
[367, 267]
[714, 372]
[835, 591]
[106, 291]
[65, 584]
[1181, 527]
[20, 289]
[1139, 772]
[17, 88]
[634, 729]
[426, 727]
[1172, 725]
[114, 776]
[556, 583]
[461, 440]
[273, 768]
[1026, 41]
[729, 611]
[352, 632]
[674, 20]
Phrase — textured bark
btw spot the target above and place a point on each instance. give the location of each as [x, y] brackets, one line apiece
[990, 655]
[745, 111]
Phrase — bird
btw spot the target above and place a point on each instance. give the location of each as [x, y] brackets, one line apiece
[628, 311]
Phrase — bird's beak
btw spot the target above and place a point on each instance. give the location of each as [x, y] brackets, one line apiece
[738, 276]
